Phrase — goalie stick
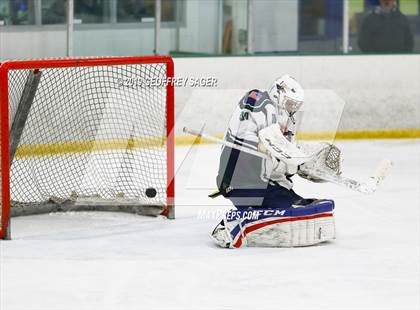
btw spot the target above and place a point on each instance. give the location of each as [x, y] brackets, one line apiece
[368, 187]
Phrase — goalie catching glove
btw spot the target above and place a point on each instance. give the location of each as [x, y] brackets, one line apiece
[326, 157]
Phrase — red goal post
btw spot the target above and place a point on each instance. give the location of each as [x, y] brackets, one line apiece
[72, 131]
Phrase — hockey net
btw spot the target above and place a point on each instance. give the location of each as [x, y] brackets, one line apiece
[86, 134]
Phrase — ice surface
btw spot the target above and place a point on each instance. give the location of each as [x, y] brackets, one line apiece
[93, 260]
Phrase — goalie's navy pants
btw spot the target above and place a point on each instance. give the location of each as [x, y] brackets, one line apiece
[271, 197]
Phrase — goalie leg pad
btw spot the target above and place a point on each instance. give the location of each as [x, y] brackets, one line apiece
[292, 227]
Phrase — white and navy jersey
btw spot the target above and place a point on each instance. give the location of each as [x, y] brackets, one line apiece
[240, 170]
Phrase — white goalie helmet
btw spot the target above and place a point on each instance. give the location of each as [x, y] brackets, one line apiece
[287, 93]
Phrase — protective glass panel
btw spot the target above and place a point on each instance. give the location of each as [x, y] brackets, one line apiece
[387, 26]
[17, 12]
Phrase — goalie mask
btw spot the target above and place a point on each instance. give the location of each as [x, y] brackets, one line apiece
[287, 93]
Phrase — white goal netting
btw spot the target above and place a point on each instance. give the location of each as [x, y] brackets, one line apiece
[95, 137]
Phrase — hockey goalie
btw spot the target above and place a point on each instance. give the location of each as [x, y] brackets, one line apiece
[267, 211]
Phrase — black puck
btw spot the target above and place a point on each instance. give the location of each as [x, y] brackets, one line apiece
[151, 192]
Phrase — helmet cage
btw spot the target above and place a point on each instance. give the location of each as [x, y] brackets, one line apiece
[291, 105]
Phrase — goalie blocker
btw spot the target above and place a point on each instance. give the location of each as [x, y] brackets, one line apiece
[267, 227]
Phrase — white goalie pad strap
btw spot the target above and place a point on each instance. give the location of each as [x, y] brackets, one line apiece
[279, 147]
[301, 226]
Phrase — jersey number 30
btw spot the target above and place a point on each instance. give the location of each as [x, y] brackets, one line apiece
[244, 116]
